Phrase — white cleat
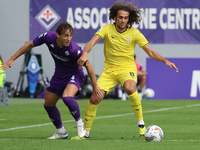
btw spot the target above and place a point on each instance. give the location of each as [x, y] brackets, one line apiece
[81, 129]
[58, 136]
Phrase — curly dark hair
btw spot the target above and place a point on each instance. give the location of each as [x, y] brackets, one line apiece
[134, 13]
[64, 26]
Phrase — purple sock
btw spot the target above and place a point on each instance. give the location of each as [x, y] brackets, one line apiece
[73, 107]
[54, 116]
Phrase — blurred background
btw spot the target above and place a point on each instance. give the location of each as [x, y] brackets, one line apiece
[172, 28]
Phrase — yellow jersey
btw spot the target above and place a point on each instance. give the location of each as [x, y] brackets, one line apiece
[1, 70]
[119, 48]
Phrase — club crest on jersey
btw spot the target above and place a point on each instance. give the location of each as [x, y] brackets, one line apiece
[67, 53]
[128, 39]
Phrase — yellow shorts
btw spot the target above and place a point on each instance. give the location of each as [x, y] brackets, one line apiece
[2, 79]
[109, 79]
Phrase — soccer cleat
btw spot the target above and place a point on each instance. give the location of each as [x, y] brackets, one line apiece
[142, 129]
[58, 136]
[81, 130]
[78, 138]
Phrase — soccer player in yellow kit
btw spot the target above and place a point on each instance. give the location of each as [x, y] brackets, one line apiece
[120, 40]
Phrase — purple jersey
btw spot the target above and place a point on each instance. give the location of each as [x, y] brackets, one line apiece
[66, 68]
[65, 58]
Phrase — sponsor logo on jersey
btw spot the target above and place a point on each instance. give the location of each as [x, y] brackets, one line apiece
[60, 57]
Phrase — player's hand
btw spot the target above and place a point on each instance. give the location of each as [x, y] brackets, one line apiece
[82, 59]
[99, 92]
[172, 65]
[7, 64]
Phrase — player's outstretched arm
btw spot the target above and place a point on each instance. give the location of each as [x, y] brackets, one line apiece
[97, 90]
[88, 47]
[26, 47]
[154, 55]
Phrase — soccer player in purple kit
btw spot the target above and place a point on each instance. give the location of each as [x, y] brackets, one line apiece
[67, 78]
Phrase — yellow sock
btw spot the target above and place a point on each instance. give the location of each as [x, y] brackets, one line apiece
[90, 114]
[136, 105]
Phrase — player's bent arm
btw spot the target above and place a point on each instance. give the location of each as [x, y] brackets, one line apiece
[99, 92]
[154, 55]
[88, 47]
[26, 47]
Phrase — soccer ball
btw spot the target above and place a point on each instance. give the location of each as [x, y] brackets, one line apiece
[154, 133]
[149, 93]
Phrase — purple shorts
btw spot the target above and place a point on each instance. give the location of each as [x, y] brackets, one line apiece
[59, 82]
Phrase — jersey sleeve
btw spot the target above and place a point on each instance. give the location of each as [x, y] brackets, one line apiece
[76, 50]
[102, 32]
[41, 39]
[141, 40]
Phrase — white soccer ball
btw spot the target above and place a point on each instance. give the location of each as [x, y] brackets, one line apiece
[149, 93]
[154, 133]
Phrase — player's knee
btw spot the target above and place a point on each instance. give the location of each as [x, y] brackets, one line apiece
[94, 99]
[130, 90]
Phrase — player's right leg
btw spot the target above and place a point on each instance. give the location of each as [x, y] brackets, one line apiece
[137, 107]
[90, 114]
[130, 87]
[54, 115]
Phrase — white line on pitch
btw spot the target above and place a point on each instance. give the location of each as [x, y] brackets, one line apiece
[150, 111]
[15, 139]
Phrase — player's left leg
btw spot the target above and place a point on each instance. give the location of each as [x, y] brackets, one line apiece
[54, 115]
[68, 99]
[130, 87]
[128, 80]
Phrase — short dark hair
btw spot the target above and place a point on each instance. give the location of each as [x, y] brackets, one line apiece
[134, 13]
[64, 26]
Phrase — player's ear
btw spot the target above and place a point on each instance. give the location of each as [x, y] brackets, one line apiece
[115, 18]
[57, 35]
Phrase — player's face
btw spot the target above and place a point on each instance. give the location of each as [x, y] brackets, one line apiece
[121, 20]
[64, 39]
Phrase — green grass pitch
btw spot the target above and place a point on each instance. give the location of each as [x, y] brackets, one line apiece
[24, 125]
